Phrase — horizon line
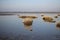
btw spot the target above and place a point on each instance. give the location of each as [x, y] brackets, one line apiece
[29, 12]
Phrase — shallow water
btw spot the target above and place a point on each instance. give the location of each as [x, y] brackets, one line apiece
[12, 28]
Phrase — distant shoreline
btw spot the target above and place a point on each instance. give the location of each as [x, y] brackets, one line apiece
[14, 13]
[29, 12]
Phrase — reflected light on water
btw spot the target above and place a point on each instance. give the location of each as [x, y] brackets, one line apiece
[28, 27]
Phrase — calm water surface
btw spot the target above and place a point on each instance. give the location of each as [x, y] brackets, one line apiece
[12, 28]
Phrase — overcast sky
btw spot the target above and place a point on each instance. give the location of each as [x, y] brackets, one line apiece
[30, 5]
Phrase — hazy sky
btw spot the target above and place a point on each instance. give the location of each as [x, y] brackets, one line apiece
[30, 5]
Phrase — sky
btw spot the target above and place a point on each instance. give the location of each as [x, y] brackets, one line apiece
[30, 5]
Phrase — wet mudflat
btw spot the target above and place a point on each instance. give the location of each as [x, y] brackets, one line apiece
[26, 26]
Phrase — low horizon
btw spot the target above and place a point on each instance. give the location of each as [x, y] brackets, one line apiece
[15, 13]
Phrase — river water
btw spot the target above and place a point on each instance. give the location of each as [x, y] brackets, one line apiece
[12, 28]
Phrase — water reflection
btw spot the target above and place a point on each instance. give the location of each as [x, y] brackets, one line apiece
[41, 30]
[28, 27]
[28, 21]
